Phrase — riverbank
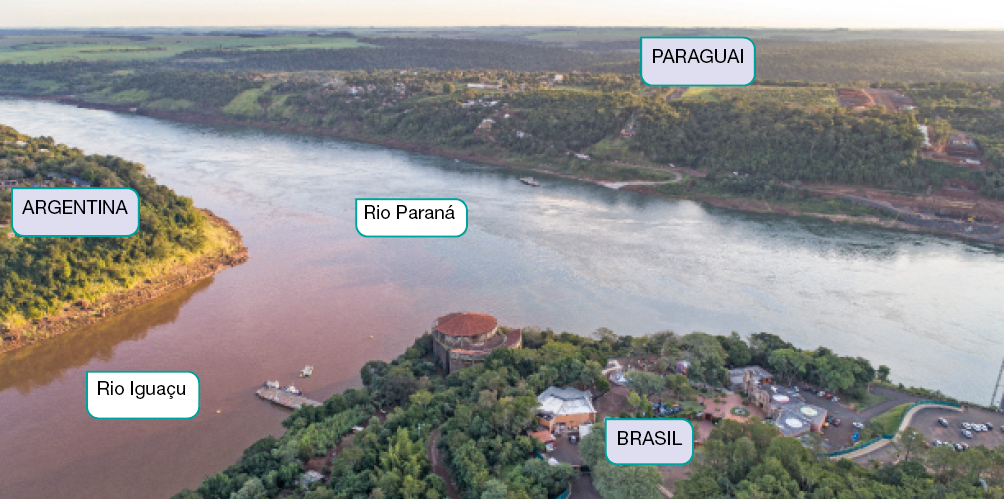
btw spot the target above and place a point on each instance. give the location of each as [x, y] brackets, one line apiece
[899, 218]
[225, 249]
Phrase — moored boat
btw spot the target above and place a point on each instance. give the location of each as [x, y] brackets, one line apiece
[529, 181]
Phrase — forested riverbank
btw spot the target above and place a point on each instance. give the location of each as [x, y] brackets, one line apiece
[484, 414]
[52, 285]
[751, 149]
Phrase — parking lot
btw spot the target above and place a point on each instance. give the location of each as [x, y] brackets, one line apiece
[835, 437]
[927, 422]
[840, 437]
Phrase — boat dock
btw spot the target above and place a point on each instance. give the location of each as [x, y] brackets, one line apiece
[286, 399]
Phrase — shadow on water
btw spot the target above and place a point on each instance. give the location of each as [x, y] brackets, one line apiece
[38, 365]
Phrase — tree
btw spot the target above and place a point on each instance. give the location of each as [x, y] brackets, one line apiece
[627, 482]
[883, 373]
[592, 448]
[449, 88]
[910, 442]
[422, 398]
[789, 362]
[645, 382]
[495, 489]
[736, 348]
[677, 383]
[601, 384]
[617, 482]
[634, 399]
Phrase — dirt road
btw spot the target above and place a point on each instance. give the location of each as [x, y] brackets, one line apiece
[439, 468]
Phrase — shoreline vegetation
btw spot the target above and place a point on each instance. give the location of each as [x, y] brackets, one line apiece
[52, 285]
[412, 432]
[227, 251]
[854, 204]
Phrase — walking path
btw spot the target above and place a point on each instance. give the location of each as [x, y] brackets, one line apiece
[438, 467]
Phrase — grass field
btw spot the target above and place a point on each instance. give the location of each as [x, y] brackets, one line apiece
[794, 96]
[34, 49]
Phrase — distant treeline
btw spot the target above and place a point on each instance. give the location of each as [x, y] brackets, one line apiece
[404, 53]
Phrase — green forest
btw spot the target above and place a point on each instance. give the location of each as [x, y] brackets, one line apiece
[479, 418]
[38, 275]
[571, 111]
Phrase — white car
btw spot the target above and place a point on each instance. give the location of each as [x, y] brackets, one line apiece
[836, 399]
[858, 425]
[967, 426]
[967, 433]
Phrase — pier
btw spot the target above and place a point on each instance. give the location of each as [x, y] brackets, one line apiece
[286, 399]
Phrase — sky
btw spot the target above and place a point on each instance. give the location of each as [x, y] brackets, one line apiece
[860, 14]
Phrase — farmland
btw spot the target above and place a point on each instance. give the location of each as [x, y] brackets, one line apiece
[35, 49]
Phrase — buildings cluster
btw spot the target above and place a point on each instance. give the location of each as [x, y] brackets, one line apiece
[785, 406]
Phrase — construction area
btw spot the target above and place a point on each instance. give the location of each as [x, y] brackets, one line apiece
[861, 99]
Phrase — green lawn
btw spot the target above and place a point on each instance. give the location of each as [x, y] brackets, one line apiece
[869, 400]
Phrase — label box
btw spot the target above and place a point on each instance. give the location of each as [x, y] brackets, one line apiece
[649, 441]
[118, 394]
[661, 64]
[89, 214]
[395, 217]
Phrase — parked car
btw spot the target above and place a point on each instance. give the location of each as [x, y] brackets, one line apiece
[573, 438]
[958, 447]
[967, 433]
[989, 426]
[829, 419]
[967, 426]
[964, 446]
[828, 396]
[820, 394]
[858, 425]
[937, 443]
[835, 398]
[836, 422]
[943, 422]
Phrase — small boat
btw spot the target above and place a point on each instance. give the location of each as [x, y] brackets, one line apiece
[271, 384]
[529, 181]
[294, 390]
[456, 161]
[307, 371]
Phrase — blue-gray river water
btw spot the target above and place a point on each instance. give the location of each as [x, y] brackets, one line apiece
[567, 255]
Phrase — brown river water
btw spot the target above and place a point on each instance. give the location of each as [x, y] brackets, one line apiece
[567, 255]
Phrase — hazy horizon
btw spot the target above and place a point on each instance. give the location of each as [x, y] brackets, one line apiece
[968, 15]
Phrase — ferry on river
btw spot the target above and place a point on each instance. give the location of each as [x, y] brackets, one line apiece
[307, 371]
[529, 181]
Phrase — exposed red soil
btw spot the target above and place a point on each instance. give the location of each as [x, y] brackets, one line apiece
[853, 98]
[893, 100]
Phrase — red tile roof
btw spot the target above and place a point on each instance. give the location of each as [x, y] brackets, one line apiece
[544, 436]
[465, 324]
